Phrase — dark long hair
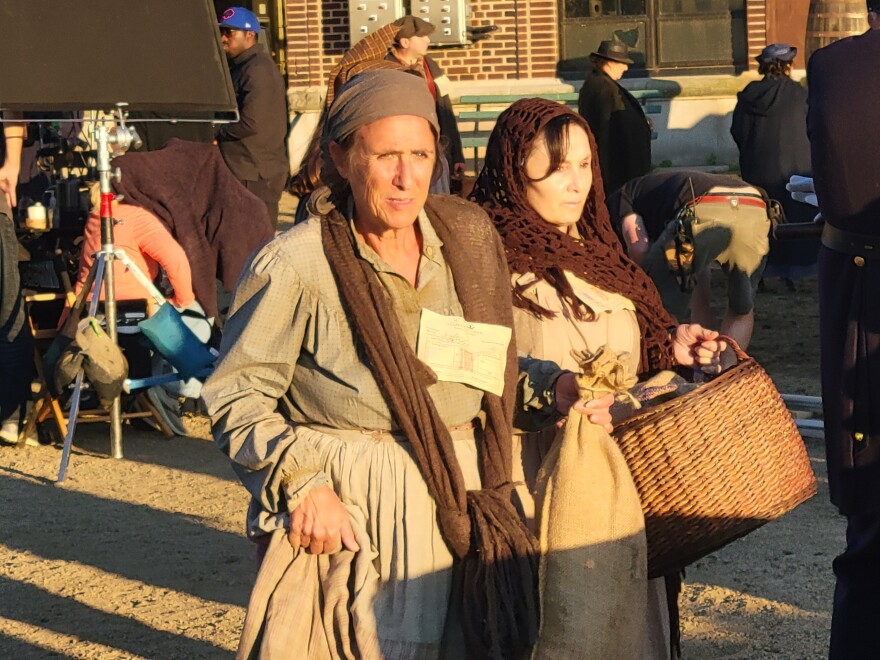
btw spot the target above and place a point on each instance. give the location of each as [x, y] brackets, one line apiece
[775, 69]
[533, 246]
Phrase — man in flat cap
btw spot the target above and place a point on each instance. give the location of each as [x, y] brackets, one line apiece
[623, 133]
[410, 48]
[843, 99]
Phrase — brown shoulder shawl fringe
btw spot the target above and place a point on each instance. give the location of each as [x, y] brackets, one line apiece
[496, 555]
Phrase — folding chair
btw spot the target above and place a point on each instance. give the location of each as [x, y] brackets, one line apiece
[47, 405]
[164, 329]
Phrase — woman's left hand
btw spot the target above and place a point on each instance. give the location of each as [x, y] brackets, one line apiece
[695, 346]
[568, 398]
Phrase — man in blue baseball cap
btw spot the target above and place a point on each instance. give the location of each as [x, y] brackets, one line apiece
[255, 147]
[239, 29]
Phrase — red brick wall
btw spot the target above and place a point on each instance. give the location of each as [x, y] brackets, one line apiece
[525, 45]
[756, 29]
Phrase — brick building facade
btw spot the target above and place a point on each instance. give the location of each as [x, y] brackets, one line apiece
[534, 37]
[524, 46]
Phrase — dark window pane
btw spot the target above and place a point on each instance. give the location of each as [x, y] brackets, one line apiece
[633, 7]
[610, 7]
[694, 6]
[691, 41]
[580, 38]
[580, 8]
[598, 8]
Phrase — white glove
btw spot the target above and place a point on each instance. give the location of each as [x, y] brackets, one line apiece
[800, 183]
[802, 189]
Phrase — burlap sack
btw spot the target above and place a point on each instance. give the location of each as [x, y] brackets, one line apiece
[594, 567]
[98, 356]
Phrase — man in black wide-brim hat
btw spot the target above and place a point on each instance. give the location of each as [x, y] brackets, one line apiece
[623, 133]
[844, 94]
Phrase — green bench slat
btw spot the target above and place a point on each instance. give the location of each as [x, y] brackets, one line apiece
[477, 139]
[480, 115]
[566, 97]
[488, 115]
[500, 99]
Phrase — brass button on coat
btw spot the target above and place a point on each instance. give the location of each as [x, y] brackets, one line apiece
[859, 261]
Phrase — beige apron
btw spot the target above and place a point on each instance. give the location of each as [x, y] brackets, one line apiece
[614, 326]
[390, 600]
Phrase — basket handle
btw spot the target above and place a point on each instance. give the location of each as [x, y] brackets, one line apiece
[700, 376]
[740, 353]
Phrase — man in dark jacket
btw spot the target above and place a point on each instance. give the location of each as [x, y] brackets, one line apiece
[842, 124]
[676, 223]
[410, 48]
[623, 133]
[254, 148]
[770, 128]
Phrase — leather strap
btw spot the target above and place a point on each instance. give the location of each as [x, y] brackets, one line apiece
[746, 199]
[860, 245]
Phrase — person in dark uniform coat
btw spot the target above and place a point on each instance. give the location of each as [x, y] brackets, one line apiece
[844, 97]
[254, 147]
[770, 128]
[622, 131]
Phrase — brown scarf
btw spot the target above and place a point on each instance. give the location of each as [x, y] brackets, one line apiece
[497, 556]
[533, 246]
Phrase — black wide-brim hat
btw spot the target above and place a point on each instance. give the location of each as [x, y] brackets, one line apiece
[614, 50]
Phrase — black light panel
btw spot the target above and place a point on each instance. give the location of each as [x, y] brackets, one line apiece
[74, 55]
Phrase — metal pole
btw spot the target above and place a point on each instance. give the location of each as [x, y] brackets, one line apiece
[109, 278]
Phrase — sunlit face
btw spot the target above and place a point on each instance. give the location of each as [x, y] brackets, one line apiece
[615, 70]
[416, 46]
[560, 197]
[389, 168]
[235, 42]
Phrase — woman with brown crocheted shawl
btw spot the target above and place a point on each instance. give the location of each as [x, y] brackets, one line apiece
[574, 289]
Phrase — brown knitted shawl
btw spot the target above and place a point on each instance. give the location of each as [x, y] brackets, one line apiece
[534, 246]
[496, 555]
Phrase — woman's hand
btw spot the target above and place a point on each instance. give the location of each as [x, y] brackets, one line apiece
[598, 411]
[695, 346]
[320, 524]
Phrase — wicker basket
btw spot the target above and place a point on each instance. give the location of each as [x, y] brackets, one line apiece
[714, 464]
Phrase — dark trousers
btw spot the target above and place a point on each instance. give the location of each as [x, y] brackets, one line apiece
[270, 193]
[854, 624]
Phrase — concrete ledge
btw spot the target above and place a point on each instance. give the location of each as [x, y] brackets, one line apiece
[305, 99]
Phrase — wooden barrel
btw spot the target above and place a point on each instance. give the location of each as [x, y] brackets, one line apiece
[830, 20]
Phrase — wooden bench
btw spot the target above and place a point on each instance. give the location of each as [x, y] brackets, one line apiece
[487, 108]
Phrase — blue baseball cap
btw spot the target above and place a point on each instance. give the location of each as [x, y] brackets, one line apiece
[239, 18]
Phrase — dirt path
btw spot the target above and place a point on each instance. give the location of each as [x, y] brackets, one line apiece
[146, 557]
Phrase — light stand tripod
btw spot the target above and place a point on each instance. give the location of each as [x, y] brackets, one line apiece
[101, 273]
[178, 72]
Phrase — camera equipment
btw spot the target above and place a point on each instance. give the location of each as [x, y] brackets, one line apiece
[163, 56]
